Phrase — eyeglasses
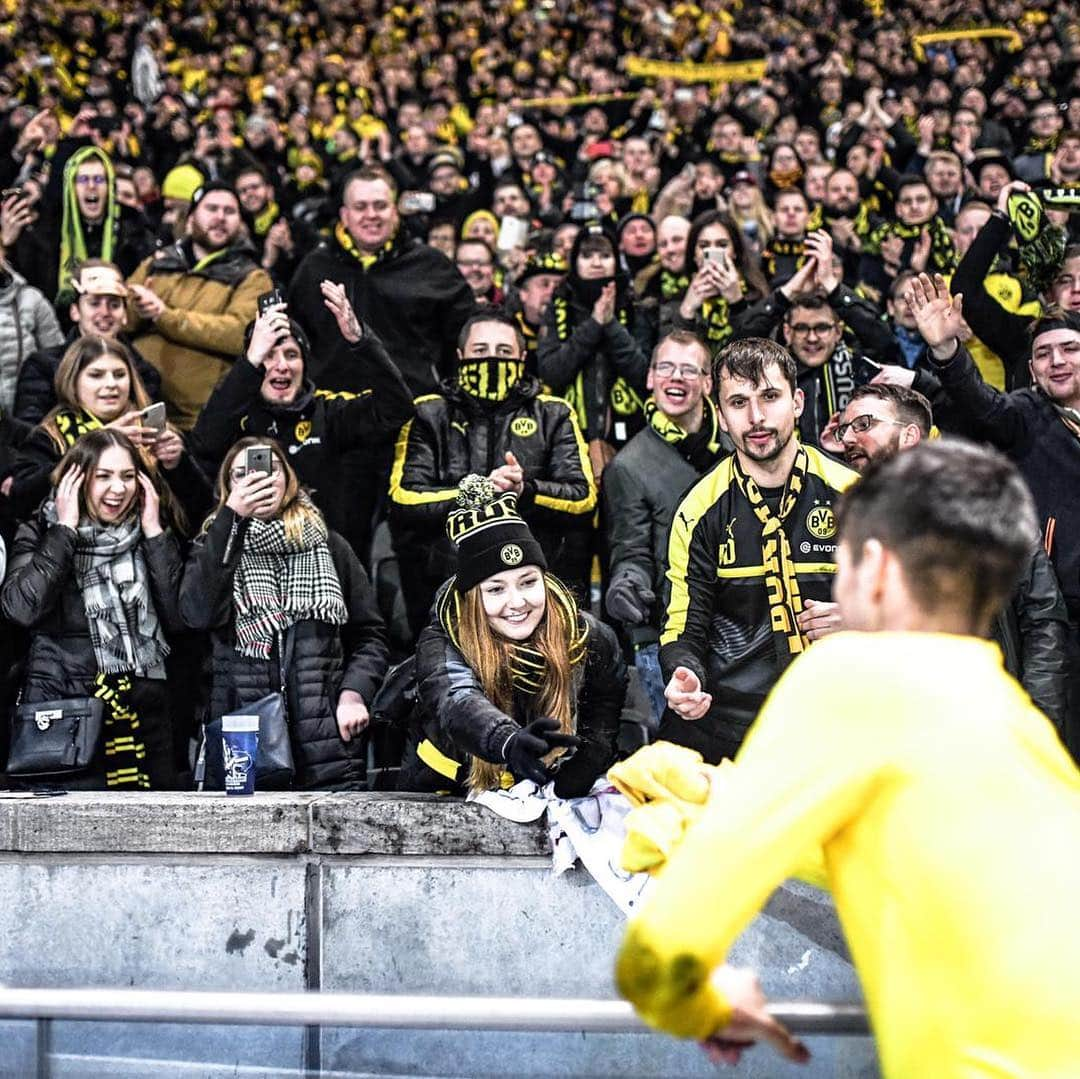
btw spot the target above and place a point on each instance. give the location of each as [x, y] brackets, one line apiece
[92, 180]
[805, 329]
[861, 424]
[684, 371]
[473, 264]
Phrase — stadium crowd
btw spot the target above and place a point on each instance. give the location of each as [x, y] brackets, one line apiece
[510, 345]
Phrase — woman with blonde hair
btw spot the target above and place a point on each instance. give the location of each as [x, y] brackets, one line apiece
[286, 600]
[514, 682]
[98, 386]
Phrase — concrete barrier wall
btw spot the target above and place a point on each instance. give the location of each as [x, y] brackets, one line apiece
[357, 892]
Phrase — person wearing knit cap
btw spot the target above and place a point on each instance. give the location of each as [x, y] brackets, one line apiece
[531, 296]
[193, 301]
[269, 391]
[495, 420]
[513, 681]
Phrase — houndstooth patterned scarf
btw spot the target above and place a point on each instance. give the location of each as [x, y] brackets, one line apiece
[279, 583]
[111, 571]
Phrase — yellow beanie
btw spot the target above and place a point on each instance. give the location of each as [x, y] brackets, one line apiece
[181, 182]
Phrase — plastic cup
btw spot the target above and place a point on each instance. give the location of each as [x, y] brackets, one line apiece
[239, 748]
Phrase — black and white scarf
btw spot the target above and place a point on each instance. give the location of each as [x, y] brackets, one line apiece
[111, 571]
[280, 582]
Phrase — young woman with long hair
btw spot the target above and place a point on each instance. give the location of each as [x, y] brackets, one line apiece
[723, 281]
[514, 682]
[94, 577]
[98, 386]
[264, 570]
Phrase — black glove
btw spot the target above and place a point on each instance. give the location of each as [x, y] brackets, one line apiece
[629, 598]
[525, 749]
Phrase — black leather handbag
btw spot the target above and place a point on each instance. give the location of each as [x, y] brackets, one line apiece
[274, 768]
[55, 738]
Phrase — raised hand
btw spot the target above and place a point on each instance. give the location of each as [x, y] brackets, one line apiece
[253, 495]
[938, 316]
[270, 327]
[337, 303]
[150, 515]
[67, 498]
[509, 476]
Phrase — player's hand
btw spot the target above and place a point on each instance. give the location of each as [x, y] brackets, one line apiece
[685, 696]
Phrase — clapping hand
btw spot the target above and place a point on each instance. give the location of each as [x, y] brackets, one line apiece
[510, 476]
[337, 303]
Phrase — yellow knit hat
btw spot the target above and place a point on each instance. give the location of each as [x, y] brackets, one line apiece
[181, 182]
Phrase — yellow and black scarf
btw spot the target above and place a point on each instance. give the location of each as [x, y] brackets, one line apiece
[716, 314]
[699, 447]
[528, 667]
[942, 251]
[490, 380]
[673, 285]
[781, 248]
[72, 424]
[264, 220]
[125, 753]
[781, 582]
[341, 234]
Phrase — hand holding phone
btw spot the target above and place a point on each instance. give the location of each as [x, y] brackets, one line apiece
[153, 416]
[257, 459]
[274, 298]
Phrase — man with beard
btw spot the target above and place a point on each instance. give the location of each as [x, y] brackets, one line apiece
[846, 217]
[193, 301]
[814, 308]
[751, 557]
[1037, 427]
[100, 310]
[881, 421]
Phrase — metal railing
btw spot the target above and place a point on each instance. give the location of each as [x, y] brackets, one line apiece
[314, 1010]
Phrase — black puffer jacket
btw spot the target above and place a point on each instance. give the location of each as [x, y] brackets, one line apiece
[42, 595]
[460, 721]
[412, 296]
[326, 658]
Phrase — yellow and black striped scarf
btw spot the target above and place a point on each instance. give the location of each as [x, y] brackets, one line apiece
[72, 424]
[490, 380]
[779, 247]
[781, 582]
[528, 667]
[341, 234]
[942, 251]
[125, 753]
[264, 220]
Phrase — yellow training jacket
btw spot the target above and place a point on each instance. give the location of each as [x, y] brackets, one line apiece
[949, 817]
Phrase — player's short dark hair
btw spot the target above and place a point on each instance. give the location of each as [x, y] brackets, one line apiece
[491, 314]
[958, 516]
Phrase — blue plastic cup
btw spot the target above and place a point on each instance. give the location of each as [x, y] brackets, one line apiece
[239, 749]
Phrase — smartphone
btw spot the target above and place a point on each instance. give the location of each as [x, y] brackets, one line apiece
[417, 202]
[258, 460]
[154, 416]
[273, 298]
[513, 232]
[12, 192]
[717, 255]
[866, 370]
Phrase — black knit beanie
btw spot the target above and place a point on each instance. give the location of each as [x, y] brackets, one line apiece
[489, 533]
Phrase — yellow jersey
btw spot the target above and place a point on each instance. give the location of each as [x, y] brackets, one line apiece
[948, 814]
